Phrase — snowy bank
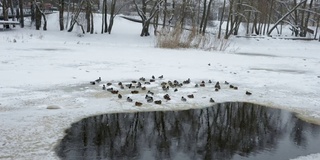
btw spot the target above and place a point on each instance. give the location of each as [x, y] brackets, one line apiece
[53, 68]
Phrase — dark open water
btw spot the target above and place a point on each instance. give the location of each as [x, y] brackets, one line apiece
[228, 131]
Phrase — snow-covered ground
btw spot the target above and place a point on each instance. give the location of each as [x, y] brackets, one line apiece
[44, 68]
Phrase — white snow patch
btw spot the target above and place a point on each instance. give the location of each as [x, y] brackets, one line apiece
[309, 157]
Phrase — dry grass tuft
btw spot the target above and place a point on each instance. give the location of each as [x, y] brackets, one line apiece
[178, 38]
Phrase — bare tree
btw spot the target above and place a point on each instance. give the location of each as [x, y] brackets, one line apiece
[183, 13]
[74, 18]
[142, 12]
[39, 14]
[115, 9]
[284, 16]
[238, 15]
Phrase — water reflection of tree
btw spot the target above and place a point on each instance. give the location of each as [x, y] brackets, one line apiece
[211, 133]
[299, 131]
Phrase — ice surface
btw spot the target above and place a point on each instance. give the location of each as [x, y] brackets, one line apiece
[46, 68]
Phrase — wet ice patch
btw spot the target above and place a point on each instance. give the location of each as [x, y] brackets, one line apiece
[53, 107]
[45, 49]
[257, 54]
[280, 70]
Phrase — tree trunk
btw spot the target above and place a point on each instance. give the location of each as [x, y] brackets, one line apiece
[254, 24]
[45, 22]
[264, 26]
[295, 13]
[38, 17]
[145, 29]
[12, 12]
[207, 17]
[88, 10]
[237, 26]
[260, 25]
[112, 15]
[33, 15]
[183, 13]
[238, 19]
[144, 19]
[203, 15]
[270, 14]
[38, 7]
[61, 10]
[105, 17]
[248, 23]
[306, 22]
[164, 14]
[221, 19]
[21, 14]
[281, 24]
[226, 36]
[5, 13]
[317, 27]
[156, 23]
[110, 25]
[92, 24]
[75, 17]
[302, 29]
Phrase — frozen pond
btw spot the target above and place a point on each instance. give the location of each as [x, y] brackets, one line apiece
[232, 130]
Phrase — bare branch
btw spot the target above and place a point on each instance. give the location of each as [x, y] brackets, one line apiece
[288, 13]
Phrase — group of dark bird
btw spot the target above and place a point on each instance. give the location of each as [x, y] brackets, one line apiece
[141, 85]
